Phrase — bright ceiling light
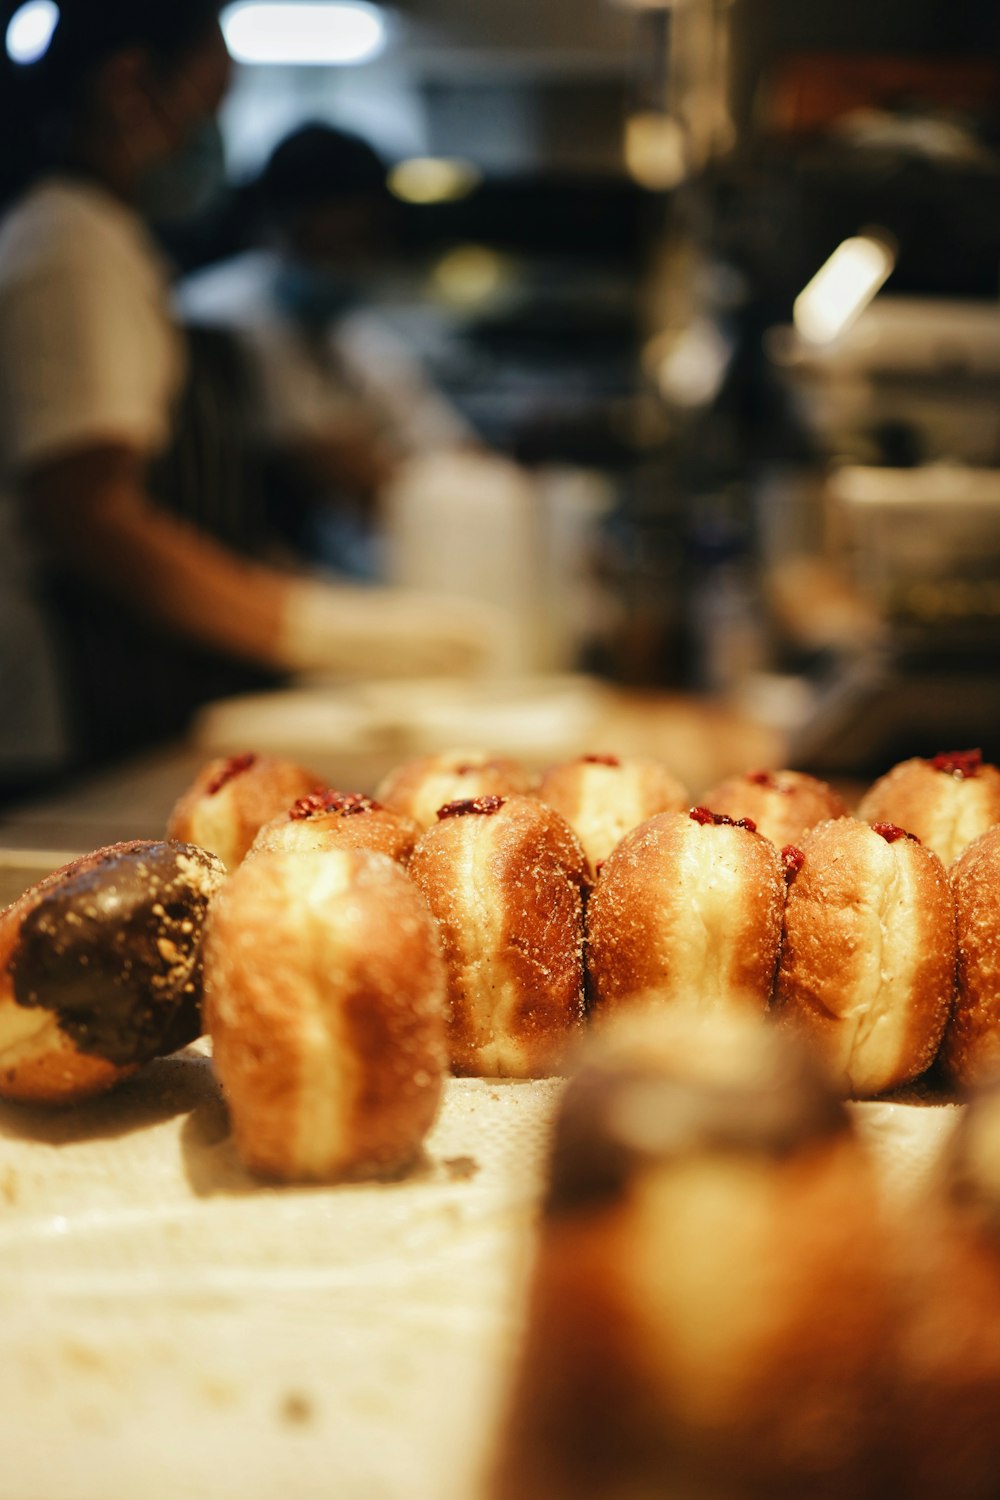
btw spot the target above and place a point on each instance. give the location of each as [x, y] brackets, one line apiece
[433, 179]
[842, 288]
[30, 31]
[304, 35]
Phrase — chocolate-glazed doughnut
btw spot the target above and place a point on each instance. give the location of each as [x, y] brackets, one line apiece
[101, 968]
[329, 819]
[231, 799]
[947, 800]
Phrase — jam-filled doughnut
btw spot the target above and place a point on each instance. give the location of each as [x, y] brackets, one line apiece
[505, 876]
[947, 1279]
[947, 801]
[707, 1314]
[329, 819]
[686, 910]
[868, 952]
[419, 787]
[602, 797]
[324, 993]
[783, 804]
[231, 799]
[100, 968]
[970, 1051]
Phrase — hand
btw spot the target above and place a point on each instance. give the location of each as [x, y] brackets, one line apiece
[359, 632]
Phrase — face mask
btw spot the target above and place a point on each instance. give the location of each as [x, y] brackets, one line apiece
[314, 297]
[185, 183]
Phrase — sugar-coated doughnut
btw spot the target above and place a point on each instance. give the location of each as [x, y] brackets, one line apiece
[419, 787]
[687, 910]
[947, 801]
[504, 878]
[231, 799]
[328, 819]
[947, 1280]
[707, 1314]
[324, 993]
[100, 968]
[970, 1051]
[867, 964]
[783, 804]
[603, 797]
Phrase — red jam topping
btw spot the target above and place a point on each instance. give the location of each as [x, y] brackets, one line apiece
[234, 766]
[323, 802]
[891, 832]
[762, 778]
[600, 760]
[472, 805]
[793, 859]
[958, 763]
[721, 820]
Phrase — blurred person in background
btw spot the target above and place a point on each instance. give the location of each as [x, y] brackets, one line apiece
[117, 616]
[343, 399]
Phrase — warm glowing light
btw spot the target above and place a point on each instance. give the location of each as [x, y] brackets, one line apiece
[655, 155]
[689, 366]
[310, 34]
[842, 288]
[470, 274]
[30, 31]
[433, 179]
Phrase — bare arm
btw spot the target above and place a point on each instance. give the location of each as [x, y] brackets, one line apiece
[92, 514]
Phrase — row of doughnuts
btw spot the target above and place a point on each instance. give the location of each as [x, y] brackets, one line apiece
[686, 905]
[850, 933]
[727, 1303]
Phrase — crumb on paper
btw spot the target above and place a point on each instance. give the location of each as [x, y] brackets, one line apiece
[296, 1409]
[9, 1186]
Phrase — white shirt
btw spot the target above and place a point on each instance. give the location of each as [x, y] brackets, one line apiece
[308, 392]
[88, 354]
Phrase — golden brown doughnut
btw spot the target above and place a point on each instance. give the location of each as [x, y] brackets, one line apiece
[603, 797]
[868, 953]
[971, 1048]
[946, 801]
[339, 820]
[100, 969]
[687, 909]
[230, 799]
[707, 1315]
[505, 877]
[783, 804]
[419, 787]
[947, 1279]
[324, 992]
